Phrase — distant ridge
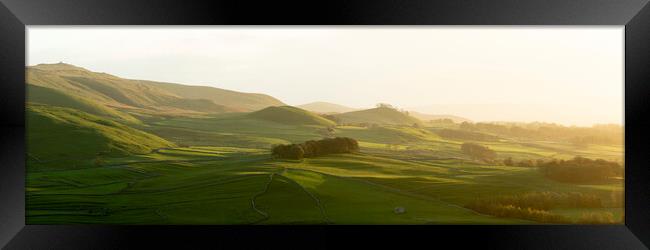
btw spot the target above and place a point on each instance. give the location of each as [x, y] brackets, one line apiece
[381, 115]
[142, 96]
[239, 100]
[326, 107]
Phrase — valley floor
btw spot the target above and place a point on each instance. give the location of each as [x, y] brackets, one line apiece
[229, 185]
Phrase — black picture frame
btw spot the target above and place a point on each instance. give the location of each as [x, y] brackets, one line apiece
[633, 14]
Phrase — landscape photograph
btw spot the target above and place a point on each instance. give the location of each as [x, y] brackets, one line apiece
[324, 125]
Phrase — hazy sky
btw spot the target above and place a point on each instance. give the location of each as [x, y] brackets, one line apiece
[570, 75]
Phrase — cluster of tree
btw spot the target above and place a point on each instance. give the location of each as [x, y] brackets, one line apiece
[527, 163]
[536, 206]
[385, 105]
[389, 106]
[597, 134]
[510, 211]
[581, 170]
[548, 200]
[478, 152]
[316, 148]
[466, 135]
[595, 139]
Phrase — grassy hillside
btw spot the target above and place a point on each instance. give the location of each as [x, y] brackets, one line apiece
[325, 107]
[42, 95]
[66, 138]
[380, 115]
[233, 99]
[290, 115]
[136, 95]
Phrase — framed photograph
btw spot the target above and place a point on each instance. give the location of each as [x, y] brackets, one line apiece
[506, 124]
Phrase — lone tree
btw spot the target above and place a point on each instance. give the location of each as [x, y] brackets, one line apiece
[477, 151]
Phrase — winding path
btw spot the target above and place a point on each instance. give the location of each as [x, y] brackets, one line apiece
[313, 197]
[266, 189]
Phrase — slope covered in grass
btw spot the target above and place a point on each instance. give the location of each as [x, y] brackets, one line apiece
[290, 115]
[43, 95]
[134, 95]
[386, 134]
[66, 138]
[233, 99]
[381, 115]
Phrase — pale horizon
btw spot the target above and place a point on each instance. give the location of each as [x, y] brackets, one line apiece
[565, 75]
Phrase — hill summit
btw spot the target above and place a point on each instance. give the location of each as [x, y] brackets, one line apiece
[290, 115]
[380, 115]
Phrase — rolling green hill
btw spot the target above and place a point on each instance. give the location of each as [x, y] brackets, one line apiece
[67, 138]
[42, 95]
[142, 96]
[290, 115]
[325, 107]
[380, 115]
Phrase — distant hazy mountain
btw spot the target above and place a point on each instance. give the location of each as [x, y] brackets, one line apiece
[67, 84]
[381, 115]
[428, 117]
[326, 107]
[290, 115]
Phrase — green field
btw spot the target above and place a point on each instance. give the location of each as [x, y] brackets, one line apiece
[223, 174]
[107, 150]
